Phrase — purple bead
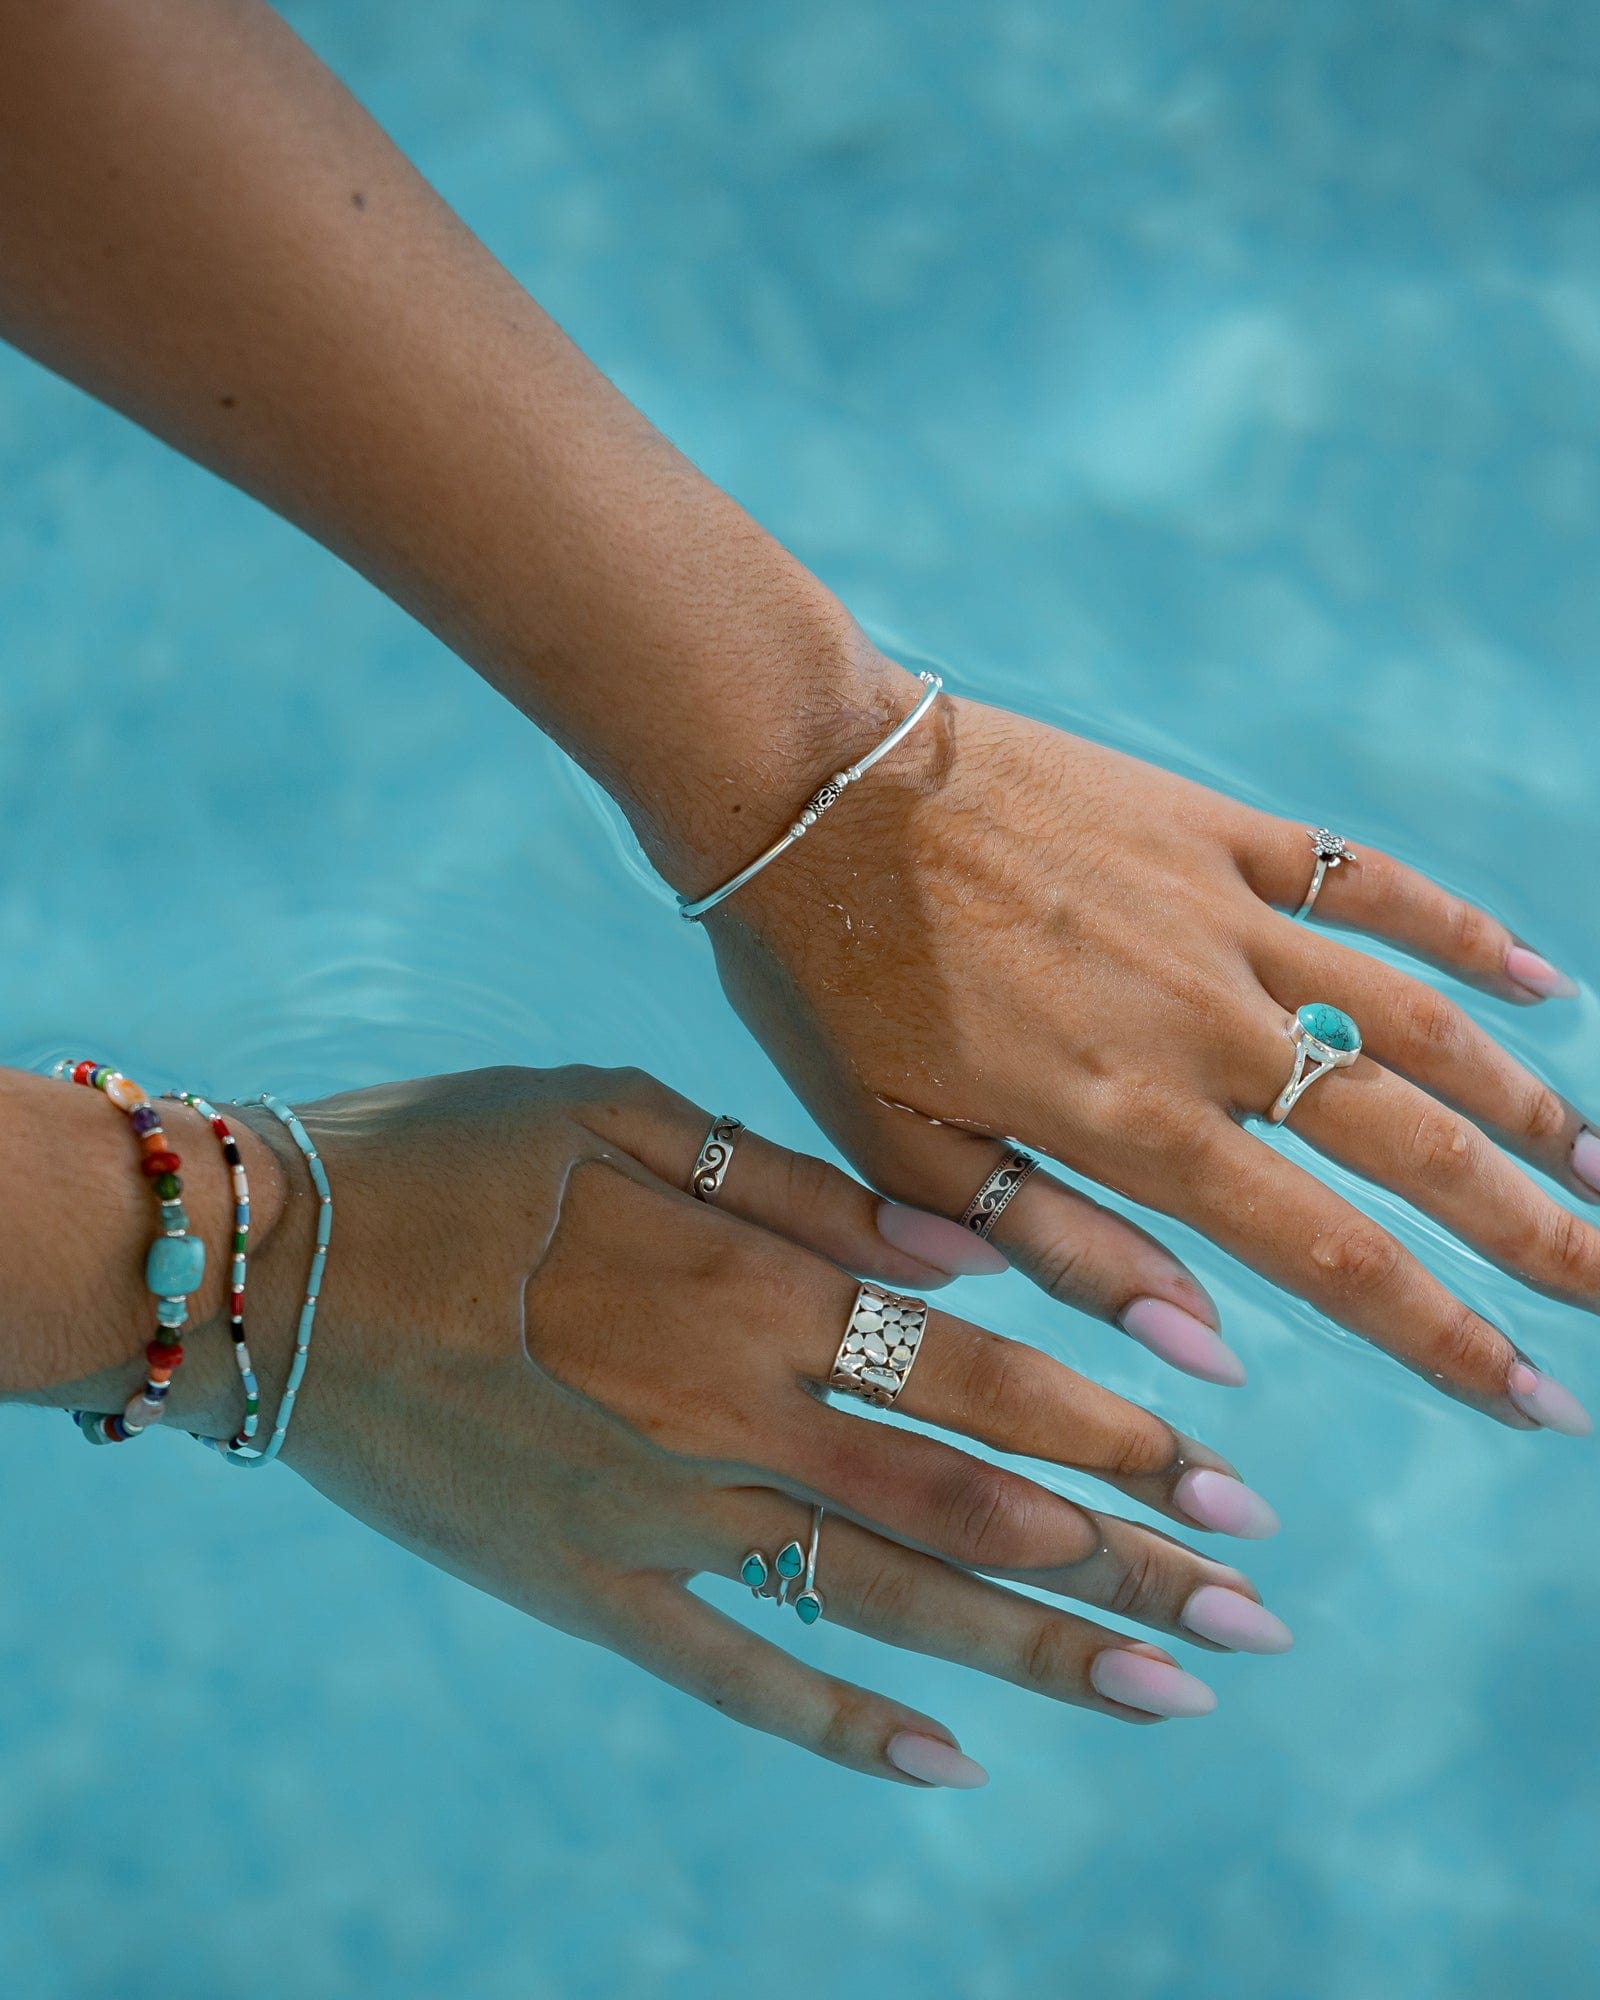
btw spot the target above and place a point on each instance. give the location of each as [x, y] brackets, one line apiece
[145, 1119]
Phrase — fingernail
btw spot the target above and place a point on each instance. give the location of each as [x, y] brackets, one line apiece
[1188, 1343]
[934, 1761]
[1217, 1500]
[1586, 1158]
[938, 1241]
[1538, 975]
[1229, 1618]
[1140, 1682]
[1552, 1407]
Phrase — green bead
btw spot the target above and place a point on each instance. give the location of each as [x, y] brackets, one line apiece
[1331, 1026]
[240, 1240]
[168, 1187]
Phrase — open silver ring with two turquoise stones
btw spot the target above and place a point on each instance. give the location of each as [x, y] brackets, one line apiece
[1325, 1038]
[790, 1566]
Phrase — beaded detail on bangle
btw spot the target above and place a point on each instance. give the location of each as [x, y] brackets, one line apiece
[173, 1269]
[240, 1181]
[234, 1453]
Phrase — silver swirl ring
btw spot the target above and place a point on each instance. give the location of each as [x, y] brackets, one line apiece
[882, 1338]
[715, 1156]
[1331, 852]
[983, 1211]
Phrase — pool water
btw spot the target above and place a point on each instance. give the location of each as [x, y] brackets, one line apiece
[1219, 380]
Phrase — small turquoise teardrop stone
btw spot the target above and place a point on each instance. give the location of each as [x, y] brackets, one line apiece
[753, 1571]
[791, 1559]
[175, 1266]
[808, 1607]
[1331, 1026]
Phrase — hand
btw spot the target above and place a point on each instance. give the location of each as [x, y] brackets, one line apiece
[545, 1368]
[1009, 932]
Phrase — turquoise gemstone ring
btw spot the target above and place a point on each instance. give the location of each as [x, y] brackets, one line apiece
[791, 1565]
[1324, 1038]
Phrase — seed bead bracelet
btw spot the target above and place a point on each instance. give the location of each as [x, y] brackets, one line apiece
[694, 908]
[233, 1452]
[173, 1268]
[240, 1181]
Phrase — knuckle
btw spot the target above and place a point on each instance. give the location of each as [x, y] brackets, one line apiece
[1357, 1259]
[734, 1689]
[1060, 1267]
[1460, 1344]
[886, 1598]
[1541, 1116]
[1148, 1115]
[1049, 1657]
[993, 1388]
[845, 1725]
[1136, 1585]
[987, 1519]
[1435, 1026]
[1442, 1146]
[1136, 1445]
[1471, 934]
[1571, 1249]
[811, 1186]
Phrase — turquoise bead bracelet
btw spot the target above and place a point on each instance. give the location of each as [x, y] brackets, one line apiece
[174, 1265]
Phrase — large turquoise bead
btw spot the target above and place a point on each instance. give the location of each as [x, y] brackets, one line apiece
[175, 1266]
[1331, 1026]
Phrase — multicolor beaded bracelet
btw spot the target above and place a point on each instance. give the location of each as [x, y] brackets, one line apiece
[173, 1268]
[233, 1453]
[240, 1180]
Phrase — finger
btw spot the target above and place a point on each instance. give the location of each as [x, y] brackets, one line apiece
[1384, 1128]
[1411, 1028]
[1383, 897]
[694, 1647]
[1011, 1397]
[910, 1599]
[792, 1194]
[1298, 1233]
[1077, 1251]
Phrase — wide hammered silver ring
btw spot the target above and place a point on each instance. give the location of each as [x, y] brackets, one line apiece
[1325, 1038]
[714, 1159]
[1330, 851]
[983, 1211]
[881, 1341]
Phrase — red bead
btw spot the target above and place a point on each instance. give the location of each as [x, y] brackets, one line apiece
[160, 1355]
[219, 1128]
[82, 1072]
[154, 1165]
[236, 1302]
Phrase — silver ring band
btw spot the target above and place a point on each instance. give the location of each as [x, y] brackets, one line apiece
[791, 1565]
[882, 1338]
[1325, 1038]
[714, 1158]
[983, 1211]
[1330, 851]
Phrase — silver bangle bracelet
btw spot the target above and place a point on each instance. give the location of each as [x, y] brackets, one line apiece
[695, 907]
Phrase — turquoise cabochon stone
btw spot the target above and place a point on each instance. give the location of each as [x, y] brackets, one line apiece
[175, 1266]
[1331, 1026]
[754, 1571]
[791, 1559]
[808, 1608]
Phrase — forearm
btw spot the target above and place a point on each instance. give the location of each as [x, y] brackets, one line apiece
[200, 225]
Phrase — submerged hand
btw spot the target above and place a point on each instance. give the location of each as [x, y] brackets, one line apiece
[1013, 933]
[544, 1367]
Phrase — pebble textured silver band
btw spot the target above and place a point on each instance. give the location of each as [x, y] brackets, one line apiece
[983, 1210]
[881, 1342]
[714, 1157]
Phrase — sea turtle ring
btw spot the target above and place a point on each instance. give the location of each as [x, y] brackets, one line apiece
[1324, 1038]
[1330, 851]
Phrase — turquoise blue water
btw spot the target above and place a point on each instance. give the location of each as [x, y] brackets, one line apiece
[1222, 379]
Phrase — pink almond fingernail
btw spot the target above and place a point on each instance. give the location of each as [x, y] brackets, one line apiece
[936, 1240]
[1137, 1681]
[1218, 1500]
[934, 1761]
[1538, 975]
[1229, 1618]
[1551, 1405]
[1184, 1341]
[1586, 1158]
